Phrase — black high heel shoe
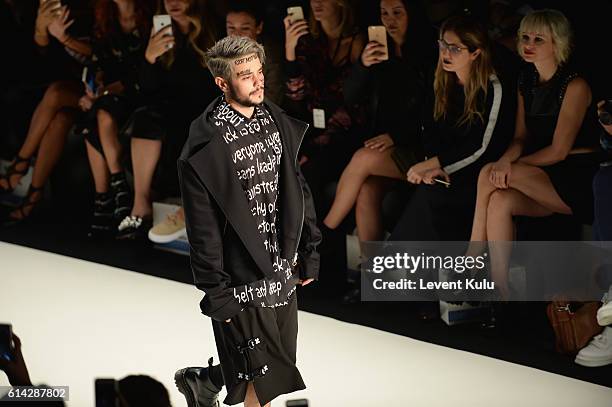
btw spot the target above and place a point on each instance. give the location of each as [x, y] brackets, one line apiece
[11, 171]
[28, 202]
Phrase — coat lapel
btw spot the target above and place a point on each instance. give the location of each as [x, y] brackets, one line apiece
[214, 167]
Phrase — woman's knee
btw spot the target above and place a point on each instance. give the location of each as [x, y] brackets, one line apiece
[484, 175]
[364, 159]
[501, 200]
[104, 118]
[57, 93]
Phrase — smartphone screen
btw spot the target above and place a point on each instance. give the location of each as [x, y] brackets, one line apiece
[6, 342]
[162, 21]
[297, 403]
[296, 13]
[106, 393]
[378, 33]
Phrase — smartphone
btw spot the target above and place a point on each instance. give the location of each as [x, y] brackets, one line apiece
[605, 115]
[296, 13]
[106, 393]
[7, 350]
[378, 33]
[297, 403]
[162, 21]
[441, 181]
[88, 80]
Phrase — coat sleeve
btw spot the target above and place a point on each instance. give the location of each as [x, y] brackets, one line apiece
[205, 223]
[311, 235]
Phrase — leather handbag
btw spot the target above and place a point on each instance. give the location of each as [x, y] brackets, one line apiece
[574, 325]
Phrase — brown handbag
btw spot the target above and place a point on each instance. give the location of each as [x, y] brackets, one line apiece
[574, 327]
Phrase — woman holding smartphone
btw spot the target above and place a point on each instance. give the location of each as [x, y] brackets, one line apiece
[395, 90]
[550, 165]
[319, 56]
[178, 86]
[473, 116]
[120, 29]
[54, 115]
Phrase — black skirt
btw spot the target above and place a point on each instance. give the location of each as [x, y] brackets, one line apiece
[572, 178]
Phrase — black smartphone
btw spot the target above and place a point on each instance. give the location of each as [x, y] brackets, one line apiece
[7, 350]
[106, 393]
[605, 115]
[297, 403]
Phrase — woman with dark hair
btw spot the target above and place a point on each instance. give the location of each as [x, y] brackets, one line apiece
[550, 165]
[319, 56]
[54, 115]
[120, 29]
[394, 90]
[473, 115]
[178, 86]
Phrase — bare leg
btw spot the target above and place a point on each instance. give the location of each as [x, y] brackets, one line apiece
[58, 95]
[250, 399]
[49, 152]
[145, 156]
[531, 193]
[51, 146]
[365, 162]
[98, 169]
[503, 206]
[109, 138]
[368, 209]
[485, 189]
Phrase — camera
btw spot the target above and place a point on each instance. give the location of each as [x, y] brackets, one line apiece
[605, 114]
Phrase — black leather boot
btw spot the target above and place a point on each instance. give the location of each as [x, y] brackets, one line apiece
[196, 385]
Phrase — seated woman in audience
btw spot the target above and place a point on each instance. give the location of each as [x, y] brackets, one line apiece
[53, 117]
[178, 86]
[395, 90]
[119, 42]
[319, 56]
[245, 18]
[472, 124]
[550, 164]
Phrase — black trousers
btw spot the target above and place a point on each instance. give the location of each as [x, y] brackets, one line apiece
[259, 346]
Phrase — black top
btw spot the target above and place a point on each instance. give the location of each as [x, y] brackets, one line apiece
[395, 92]
[119, 56]
[463, 149]
[543, 104]
[185, 88]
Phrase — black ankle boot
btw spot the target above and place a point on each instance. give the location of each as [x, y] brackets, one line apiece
[102, 219]
[196, 384]
[122, 196]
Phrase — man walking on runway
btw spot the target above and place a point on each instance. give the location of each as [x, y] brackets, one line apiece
[252, 232]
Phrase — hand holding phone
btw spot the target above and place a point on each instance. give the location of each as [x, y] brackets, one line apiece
[377, 53]
[161, 39]
[295, 27]
[295, 14]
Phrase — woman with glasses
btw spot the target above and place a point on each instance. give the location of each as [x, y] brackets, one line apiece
[550, 164]
[471, 125]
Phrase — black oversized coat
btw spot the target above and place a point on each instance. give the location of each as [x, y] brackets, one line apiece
[225, 246]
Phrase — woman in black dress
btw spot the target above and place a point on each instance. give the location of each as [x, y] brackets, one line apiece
[550, 164]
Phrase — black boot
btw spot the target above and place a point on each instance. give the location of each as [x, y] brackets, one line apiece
[102, 219]
[333, 259]
[122, 196]
[200, 385]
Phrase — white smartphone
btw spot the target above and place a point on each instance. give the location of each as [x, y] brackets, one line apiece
[378, 33]
[296, 13]
[162, 21]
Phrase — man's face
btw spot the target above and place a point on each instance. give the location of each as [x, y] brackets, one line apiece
[242, 25]
[247, 82]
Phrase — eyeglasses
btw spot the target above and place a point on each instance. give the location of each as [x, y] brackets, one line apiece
[453, 49]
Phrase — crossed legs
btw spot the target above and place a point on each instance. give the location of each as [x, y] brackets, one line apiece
[530, 193]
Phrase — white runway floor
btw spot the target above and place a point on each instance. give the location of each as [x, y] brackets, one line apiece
[80, 320]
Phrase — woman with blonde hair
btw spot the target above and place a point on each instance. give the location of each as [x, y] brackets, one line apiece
[550, 164]
[471, 125]
[178, 86]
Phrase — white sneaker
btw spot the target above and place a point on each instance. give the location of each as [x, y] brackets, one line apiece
[604, 313]
[598, 352]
